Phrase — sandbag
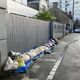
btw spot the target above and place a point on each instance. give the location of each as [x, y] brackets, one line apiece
[9, 64]
[47, 45]
[13, 54]
[15, 65]
[43, 48]
[37, 49]
[25, 57]
[21, 62]
[32, 53]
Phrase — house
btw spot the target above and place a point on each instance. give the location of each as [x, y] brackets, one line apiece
[40, 5]
[18, 7]
[61, 16]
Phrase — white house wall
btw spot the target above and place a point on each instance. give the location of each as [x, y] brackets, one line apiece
[17, 8]
[3, 3]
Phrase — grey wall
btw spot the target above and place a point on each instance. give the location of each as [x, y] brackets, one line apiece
[25, 32]
[3, 38]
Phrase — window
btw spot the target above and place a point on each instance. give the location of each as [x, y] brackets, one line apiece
[24, 2]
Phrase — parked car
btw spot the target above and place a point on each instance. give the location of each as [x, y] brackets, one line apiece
[77, 30]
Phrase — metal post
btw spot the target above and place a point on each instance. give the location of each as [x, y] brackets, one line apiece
[73, 9]
[73, 13]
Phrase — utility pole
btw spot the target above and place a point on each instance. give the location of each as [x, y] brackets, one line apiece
[73, 9]
[73, 13]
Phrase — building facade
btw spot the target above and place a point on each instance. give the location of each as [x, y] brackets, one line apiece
[18, 7]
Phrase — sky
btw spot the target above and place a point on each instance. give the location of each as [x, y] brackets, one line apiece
[76, 9]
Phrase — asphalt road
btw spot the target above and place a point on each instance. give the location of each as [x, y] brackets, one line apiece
[69, 69]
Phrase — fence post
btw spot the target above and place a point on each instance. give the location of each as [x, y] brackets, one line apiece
[51, 30]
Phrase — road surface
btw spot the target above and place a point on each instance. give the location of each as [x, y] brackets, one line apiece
[69, 69]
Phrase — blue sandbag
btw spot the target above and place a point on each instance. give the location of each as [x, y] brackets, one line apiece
[37, 56]
[24, 68]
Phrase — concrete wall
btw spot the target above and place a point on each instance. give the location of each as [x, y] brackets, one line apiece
[3, 38]
[17, 8]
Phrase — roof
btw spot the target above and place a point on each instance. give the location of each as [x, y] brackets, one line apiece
[61, 16]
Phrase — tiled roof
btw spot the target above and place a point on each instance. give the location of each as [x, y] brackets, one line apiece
[60, 15]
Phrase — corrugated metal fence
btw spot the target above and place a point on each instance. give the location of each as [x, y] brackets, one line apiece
[25, 32]
[18, 33]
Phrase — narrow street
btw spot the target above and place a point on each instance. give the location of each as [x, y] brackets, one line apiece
[68, 48]
[69, 69]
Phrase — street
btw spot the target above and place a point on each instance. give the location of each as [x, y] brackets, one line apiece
[69, 68]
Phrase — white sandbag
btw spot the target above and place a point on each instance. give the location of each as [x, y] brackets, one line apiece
[43, 48]
[15, 53]
[47, 45]
[20, 61]
[9, 64]
[53, 41]
[50, 44]
[25, 57]
[32, 53]
[15, 65]
[37, 51]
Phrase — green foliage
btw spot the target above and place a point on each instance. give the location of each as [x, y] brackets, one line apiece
[46, 15]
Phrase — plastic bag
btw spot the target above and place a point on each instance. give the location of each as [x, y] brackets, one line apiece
[9, 64]
[21, 62]
[15, 53]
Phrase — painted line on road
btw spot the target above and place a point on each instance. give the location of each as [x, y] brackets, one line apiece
[54, 69]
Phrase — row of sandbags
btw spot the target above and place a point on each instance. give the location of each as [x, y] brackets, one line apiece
[16, 59]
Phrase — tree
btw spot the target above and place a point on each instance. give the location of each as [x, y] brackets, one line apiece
[46, 15]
